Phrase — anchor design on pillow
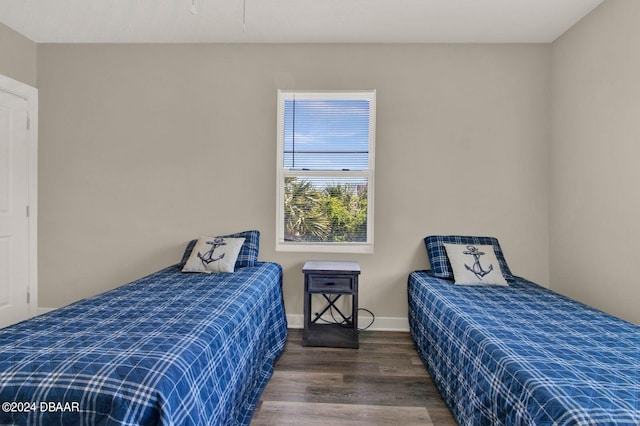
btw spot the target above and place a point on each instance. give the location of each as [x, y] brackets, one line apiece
[477, 267]
[207, 258]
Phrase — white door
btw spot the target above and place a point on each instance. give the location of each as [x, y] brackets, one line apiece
[14, 222]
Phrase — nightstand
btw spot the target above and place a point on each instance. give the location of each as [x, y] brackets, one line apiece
[332, 280]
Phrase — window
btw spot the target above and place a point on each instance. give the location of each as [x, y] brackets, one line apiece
[325, 173]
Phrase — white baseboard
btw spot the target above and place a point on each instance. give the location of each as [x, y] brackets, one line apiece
[41, 310]
[380, 323]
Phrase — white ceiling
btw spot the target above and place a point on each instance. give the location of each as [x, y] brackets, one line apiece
[293, 21]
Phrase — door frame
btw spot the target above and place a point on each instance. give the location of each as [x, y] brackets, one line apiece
[30, 94]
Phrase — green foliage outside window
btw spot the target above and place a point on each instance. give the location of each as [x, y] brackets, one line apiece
[333, 213]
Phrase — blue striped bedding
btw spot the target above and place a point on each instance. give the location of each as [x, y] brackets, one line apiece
[171, 349]
[524, 355]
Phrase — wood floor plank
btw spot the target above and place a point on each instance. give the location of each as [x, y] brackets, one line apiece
[294, 385]
[296, 414]
[381, 383]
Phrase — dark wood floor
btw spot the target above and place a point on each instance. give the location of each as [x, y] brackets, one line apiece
[382, 383]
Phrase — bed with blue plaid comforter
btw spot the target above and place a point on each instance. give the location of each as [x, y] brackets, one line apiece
[524, 355]
[171, 348]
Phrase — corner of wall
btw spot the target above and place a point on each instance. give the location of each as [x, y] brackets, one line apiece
[18, 56]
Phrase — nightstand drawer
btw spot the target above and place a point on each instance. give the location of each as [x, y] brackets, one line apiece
[331, 284]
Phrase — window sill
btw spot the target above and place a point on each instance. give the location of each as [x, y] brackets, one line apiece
[324, 248]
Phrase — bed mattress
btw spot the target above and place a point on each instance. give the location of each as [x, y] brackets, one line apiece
[524, 355]
[170, 348]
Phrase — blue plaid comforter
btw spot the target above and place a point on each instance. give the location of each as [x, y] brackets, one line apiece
[524, 355]
[171, 349]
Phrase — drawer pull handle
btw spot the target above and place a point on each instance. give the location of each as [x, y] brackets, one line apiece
[329, 283]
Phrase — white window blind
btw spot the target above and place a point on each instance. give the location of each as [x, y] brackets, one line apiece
[326, 157]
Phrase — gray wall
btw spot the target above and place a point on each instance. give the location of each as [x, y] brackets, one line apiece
[595, 158]
[536, 144]
[143, 147]
[17, 56]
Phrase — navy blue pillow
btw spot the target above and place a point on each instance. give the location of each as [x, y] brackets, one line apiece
[440, 266]
[248, 255]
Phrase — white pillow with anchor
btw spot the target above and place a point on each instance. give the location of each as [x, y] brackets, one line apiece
[214, 254]
[474, 264]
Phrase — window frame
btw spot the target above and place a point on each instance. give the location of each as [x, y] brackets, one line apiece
[283, 173]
